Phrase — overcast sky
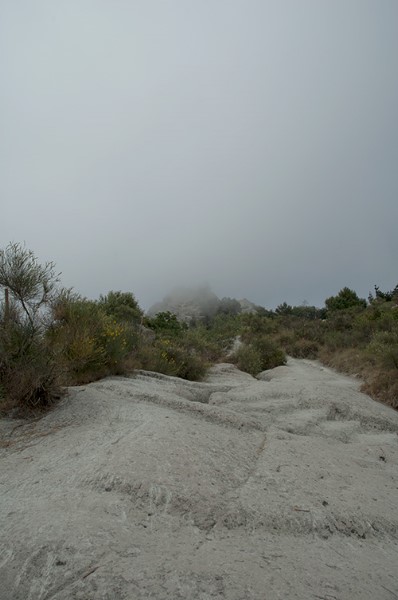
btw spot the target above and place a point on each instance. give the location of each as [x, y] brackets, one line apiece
[250, 144]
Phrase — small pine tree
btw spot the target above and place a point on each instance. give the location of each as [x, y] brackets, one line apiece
[346, 298]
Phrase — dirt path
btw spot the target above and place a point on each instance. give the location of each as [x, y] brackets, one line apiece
[238, 489]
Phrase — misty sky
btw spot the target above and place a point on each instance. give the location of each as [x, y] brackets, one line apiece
[250, 144]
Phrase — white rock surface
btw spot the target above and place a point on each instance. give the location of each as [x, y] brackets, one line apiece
[156, 488]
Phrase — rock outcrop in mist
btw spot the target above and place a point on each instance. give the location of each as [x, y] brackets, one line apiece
[198, 303]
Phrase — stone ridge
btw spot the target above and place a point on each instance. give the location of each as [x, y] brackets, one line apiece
[195, 304]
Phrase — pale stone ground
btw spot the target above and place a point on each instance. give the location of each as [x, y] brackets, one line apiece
[238, 488]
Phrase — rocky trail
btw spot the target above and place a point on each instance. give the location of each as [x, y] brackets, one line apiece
[150, 487]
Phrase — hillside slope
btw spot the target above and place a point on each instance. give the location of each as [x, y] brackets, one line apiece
[154, 487]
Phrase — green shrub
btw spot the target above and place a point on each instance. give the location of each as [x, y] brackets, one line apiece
[303, 348]
[31, 384]
[248, 359]
[166, 323]
[345, 299]
[384, 346]
[259, 355]
[199, 341]
[30, 375]
[337, 340]
[121, 306]
[383, 385]
[172, 357]
[221, 332]
[29, 372]
[190, 365]
[253, 324]
[271, 354]
[93, 344]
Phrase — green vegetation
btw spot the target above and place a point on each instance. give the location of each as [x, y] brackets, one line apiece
[51, 337]
[355, 337]
[345, 299]
[121, 306]
[89, 341]
[29, 371]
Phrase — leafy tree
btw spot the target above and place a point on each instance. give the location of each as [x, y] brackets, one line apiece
[345, 299]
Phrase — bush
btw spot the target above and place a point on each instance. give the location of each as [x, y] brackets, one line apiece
[50, 338]
[346, 298]
[259, 355]
[92, 343]
[173, 358]
[248, 359]
[29, 371]
[30, 375]
[200, 341]
[383, 385]
[254, 325]
[122, 306]
[221, 332]
[271, 354]
[384, 346]
[166, 323]
[302, 348]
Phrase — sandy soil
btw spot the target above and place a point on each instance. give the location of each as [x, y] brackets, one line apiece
[152, 488]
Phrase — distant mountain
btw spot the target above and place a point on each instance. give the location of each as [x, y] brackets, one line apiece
[188, 303]
[198, 303]
[247, 306]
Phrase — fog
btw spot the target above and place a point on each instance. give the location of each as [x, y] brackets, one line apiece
[251, 144]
